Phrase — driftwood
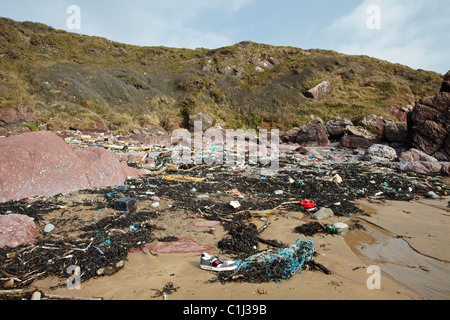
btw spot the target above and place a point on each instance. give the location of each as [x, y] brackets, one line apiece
[60, 297]
[320, 266]
[16, 292]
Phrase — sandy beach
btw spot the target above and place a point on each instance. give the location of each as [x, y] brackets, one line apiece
[424, 263]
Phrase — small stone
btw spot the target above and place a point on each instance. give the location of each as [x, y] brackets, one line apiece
[323, 213]
[432, 195]
[337, 178]
[49, 228]
[340, 227]
[36, 295]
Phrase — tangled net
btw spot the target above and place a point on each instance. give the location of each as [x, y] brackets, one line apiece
[271, 266]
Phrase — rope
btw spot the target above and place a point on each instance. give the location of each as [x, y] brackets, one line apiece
[280, 265]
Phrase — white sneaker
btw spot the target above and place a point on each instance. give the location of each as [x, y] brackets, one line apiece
[208, 262]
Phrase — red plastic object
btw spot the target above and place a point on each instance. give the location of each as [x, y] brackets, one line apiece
[307, 204]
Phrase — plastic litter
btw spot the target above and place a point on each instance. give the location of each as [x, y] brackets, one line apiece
[307, 204]
[124, 204]
[235, 204]
[269, 266]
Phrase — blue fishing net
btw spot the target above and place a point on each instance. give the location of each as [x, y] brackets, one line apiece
[273, 265]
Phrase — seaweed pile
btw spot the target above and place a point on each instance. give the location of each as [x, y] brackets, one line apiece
[242, 239]
[312, 228]
[100, 250]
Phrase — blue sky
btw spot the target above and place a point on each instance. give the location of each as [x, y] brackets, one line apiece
[415, 33]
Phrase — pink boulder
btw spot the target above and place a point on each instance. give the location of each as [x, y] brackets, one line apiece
[42, 164]
[16, 230]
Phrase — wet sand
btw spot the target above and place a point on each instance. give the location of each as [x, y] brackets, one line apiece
[423, 224]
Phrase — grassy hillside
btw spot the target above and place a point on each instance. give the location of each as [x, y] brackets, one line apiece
[75, 80]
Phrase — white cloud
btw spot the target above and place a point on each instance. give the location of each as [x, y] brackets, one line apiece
[410, 32]
[174, 23]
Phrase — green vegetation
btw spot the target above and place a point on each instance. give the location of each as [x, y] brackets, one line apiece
[70, 79]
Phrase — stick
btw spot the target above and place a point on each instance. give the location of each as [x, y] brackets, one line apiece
[264, 227]
[60, 297]
[320, 266]
[16, 291]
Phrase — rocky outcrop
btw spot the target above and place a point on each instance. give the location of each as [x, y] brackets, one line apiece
[291, 135]
[429, 124]
[336, 126]
[358, 137]
[320, 91]
[43, 164]
[446, 83]
[12, 115]
[373, 123]
[313, 134]
[401, 112]
[395, 131]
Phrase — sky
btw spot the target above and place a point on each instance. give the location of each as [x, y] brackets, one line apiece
[415, 33]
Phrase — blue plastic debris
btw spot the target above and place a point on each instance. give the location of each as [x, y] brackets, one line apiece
[280, 265]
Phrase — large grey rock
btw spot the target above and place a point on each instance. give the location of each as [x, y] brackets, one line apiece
[313, 134]
[357, 137]
[337, 125]
[373, 123]
[380, 153]
[323, 213]
[395, 131]
[320, 91]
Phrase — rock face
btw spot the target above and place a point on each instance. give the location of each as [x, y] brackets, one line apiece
[43, 164]
[320, 91]
[313, 134]
[11, 115]
[446, 84]
[16, 230]
[401, 112]
[337, 125]
[429, 124]
[204, 118]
